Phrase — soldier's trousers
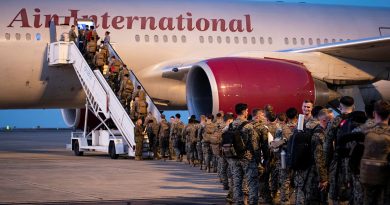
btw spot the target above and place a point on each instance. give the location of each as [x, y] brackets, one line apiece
[192, 151]
[222, 170]
[199, 151]
[171, 148]
[239, 169]
[138, 148]
[275, 167]
[164, 147]
[265, 192]
[284, 184]
[207, 155]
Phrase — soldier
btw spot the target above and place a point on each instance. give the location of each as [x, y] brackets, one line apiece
[91, 50]
[340, 177]
[139, 138]
[122, 72]
[177, 138]
[375, 163]
[207, 133]
[136, 92]
[222, 162]
[72, 34]
[98, 61]
[315, 180]
[152, 131]
[163, 134]
[114, 65]
[190, 134]
[246, 163]
[261, 130]
[141, 107]
[199, 140]
[104, 52]
[125, 91]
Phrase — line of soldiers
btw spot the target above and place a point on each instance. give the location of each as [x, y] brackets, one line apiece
[347, 162]
[132, 98]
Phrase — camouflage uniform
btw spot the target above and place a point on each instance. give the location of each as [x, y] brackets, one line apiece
[199, 149]
[163, 135]
[223, 168]
[306, 181]
[208, 130]
[247, 166]
[377, 147]
[262, 134]
[190, 134]
[139, 138]
[177, 138]
[125, 92]
[273, 169]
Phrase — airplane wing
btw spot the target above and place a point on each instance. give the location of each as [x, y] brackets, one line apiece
[375, 49]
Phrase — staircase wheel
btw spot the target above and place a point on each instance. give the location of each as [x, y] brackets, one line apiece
[112, 151]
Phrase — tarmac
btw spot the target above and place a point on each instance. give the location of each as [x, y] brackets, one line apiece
[35, 168]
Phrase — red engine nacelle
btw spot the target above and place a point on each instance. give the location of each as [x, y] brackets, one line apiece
[74, 118]
[219, 84]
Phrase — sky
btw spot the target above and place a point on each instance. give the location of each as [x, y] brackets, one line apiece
[51, 118]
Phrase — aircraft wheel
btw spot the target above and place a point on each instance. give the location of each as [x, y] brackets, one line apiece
[112, 151]
[76, 149]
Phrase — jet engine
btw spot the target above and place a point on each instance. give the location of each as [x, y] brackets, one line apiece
[220, 83]
[75, 118]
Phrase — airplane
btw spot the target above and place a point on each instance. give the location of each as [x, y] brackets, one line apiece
[203, 56]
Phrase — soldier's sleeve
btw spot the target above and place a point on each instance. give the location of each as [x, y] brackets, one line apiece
[121, 88]
[264, 145]
[286, 132]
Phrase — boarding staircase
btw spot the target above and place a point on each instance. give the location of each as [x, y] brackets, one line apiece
[101, 101]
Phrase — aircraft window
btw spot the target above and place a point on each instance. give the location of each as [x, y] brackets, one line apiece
[294, 41]
[210, 39]
[219, 39]
[310, 41]
[253, 40]
[28, 37]
[286, 41]
[174, 38]
[183, 39]
[318, 41]
[165, 38]
[146, 38]
[261, 40]
[17, 36]
[333, 40]
[348, 39]
[227, 39]
[156, 38]
[7, 36]
[201, 39]
[137, 38]
[269, 40]
[341, 40]
[245, 40]
[236, 40]
[326, 40]
[38, 36]
[302, 41]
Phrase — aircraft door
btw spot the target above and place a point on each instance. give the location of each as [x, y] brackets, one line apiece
[384, 31]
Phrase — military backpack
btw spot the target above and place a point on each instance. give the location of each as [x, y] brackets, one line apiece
[232, 143]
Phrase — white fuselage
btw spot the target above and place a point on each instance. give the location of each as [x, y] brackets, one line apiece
[153, 35]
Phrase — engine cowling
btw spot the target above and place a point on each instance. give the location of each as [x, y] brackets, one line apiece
[219, 84]
[74, 118]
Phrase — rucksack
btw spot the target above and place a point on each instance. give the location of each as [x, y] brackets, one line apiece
[232, 143]
[142, 107]
[299, 154]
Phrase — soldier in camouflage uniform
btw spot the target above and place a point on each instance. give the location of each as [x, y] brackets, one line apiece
[216, 146]
[207, 132]
[199, 150]
[258, 124]
[171, 143]
[340, 177]
[190, 134]
[222, 162]
[377, 148]
[314, 180]
[177, 138]
[273, 169]
[247, 165]
[163, 136]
